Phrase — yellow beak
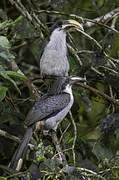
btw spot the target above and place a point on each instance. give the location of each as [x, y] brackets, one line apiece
[72, 23]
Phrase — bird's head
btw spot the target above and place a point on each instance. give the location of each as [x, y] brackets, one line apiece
[67, 24]
[66, 87]
[64, 84]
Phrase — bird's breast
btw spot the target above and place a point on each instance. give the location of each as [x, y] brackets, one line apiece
[54, 63]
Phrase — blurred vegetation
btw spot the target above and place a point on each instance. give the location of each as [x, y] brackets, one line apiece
[24, 27]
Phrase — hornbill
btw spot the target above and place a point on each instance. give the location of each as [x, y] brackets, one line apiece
[54, 60]
[48, 112]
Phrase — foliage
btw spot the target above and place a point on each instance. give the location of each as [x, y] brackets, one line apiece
[91, 148]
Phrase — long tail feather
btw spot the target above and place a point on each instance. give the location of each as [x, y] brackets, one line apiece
[18, 156]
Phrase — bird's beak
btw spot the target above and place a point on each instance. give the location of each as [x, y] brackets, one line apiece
[72, 23]
[75, 79]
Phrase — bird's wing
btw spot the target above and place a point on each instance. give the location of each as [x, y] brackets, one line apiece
[46, 106]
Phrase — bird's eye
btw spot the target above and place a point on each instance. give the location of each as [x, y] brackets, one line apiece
[60, 23]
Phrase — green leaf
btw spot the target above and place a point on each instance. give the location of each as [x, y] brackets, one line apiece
[102, 153]
[4, 49]
[3, 178]
[4, 76]
[3, 91]
[4, 43]
[6, 55]
[3, 55]
[3, 24]
[16, 75]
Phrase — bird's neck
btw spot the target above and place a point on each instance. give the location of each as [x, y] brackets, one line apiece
[68, 89]
[58, 40]
[57, 86]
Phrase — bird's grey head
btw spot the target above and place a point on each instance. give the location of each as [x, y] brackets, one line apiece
[66, 24]
[64, 84]
[58, 32]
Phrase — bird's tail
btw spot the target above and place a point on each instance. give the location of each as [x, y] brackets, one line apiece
[17, 158]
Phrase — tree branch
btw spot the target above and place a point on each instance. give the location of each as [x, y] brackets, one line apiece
[32, 18]
[88, 22]
[9, 136]
[105, 96]
[102, 19]
[12, 137]
[58, 148]
[32, 88]
[75, 137]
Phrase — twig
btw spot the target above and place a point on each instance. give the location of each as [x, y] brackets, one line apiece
[91, 38]
[74, 50]
[9, 136]
[109, 169]
[21, 8]
[75, 137]
[64, 132]
[17, 174]
[58, 148]
[92, 52]
[62, 13]
[98, 72]
[109, 69]
[91, 173]
[98, 45]
[105, 96]
[110, 15]
[89, 23]
[65, 150]
[32, 18]
[114, 22]
[85, 51]
[14, 138]
[111, 94]
[75, 54]
[33, 90]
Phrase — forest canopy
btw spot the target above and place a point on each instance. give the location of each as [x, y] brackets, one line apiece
[88, 135]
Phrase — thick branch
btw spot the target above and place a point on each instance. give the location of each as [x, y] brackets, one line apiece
[105, 96]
